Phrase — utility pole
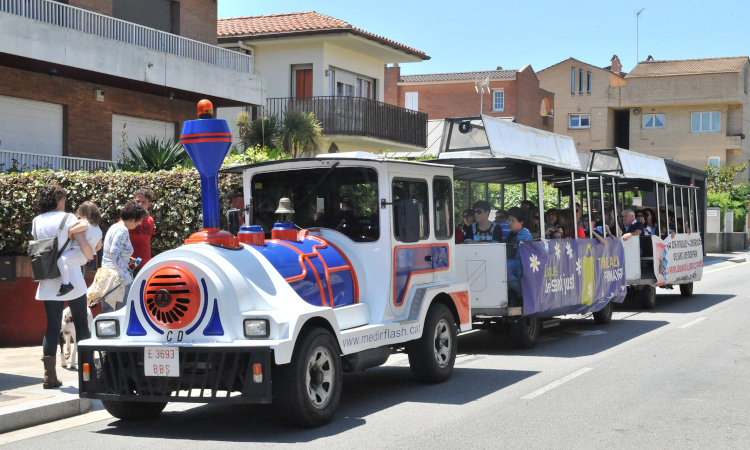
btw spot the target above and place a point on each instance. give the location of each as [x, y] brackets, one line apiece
[637, 30]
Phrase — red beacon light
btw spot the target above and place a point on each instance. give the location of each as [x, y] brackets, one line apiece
[205, 109]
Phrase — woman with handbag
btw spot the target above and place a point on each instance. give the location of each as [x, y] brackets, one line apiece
[118, 252]
[54, 221]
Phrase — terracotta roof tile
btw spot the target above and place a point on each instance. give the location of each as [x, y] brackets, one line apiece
[458, 76]
[298, 23]
[663, 68]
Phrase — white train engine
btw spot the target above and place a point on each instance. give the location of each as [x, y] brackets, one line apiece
[276, 313]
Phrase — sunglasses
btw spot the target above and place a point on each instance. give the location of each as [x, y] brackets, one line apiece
[639, 215]
[478, 211]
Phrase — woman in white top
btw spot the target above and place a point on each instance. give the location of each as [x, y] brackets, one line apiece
[118, 250]
[51, 204]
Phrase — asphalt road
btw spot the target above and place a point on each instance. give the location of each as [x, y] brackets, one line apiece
[674, 377]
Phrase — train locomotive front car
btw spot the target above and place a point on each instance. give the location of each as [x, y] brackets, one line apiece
[276, 313]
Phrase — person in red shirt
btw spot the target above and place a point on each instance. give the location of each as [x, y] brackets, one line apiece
[140, 237]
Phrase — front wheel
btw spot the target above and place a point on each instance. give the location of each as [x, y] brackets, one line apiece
[307, 391]
[134, 410]
[525, 332]
[686, 290]
[604, 315]
[432, 356]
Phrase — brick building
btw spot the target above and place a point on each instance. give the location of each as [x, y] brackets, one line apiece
[75, 72]
[694, 112]
[512, 93]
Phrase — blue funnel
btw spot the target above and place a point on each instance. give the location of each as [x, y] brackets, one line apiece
[207, 142]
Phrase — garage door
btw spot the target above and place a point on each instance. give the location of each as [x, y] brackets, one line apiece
[31, 126]
[137, 127]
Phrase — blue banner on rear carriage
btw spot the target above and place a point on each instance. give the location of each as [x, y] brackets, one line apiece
[571, 276]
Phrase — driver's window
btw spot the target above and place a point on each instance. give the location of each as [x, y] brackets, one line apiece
[417, 190]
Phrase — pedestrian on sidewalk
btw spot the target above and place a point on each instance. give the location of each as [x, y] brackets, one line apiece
[141, 235]
[50, 203]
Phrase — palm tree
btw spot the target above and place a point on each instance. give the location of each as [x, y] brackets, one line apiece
[300, 132]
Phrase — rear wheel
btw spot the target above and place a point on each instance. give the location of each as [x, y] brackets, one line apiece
[525, 332]
[307, 391]
[432, 356]
[648, 297]
[686, 289]
[604, 315]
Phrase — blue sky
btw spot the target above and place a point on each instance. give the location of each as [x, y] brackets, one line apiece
[481, 35]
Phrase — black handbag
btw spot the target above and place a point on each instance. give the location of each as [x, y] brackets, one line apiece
[44, 254]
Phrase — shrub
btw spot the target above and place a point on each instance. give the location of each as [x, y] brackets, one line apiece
[152, 154]
[176, 209]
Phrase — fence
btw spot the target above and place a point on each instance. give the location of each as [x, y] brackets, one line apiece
[359, 117]
[78, 19]
[24, 162]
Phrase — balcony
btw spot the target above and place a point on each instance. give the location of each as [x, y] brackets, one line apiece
[91, 44]
[354, 116]
[25, 162]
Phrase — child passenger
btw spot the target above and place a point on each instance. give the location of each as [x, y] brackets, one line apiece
[73, 257]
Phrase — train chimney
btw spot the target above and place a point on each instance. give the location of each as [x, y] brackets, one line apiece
[207, 141]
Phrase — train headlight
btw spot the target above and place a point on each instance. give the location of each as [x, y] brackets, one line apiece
[256, 328]
[107, 328]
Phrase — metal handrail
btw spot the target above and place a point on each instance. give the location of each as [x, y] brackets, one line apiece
[25, 162]
[85, 21]
[358, 117]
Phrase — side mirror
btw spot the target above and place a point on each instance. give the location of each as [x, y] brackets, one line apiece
[407, 220]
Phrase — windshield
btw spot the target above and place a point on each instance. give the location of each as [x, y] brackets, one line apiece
[344, 199]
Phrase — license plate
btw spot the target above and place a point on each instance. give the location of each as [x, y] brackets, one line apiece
[161, 361]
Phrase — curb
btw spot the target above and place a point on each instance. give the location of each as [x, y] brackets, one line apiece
[62, 405]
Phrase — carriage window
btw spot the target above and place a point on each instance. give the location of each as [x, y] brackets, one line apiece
[443, 198]
[413, 189]
[344, 199]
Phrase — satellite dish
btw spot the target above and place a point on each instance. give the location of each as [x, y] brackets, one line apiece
[637, 111]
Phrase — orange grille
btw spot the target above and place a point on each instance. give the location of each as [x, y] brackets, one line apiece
[173, 297]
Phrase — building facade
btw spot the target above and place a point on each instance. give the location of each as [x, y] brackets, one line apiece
[313, 62]
[76, 73]
[694, 112]
[507, 93]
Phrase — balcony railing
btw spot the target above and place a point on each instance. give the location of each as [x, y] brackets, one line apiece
[25, 162]
[78, 19]
[358, 117]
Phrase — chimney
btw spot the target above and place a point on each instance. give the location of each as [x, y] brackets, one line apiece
[499, 67]
[390, 91]
[616, 67]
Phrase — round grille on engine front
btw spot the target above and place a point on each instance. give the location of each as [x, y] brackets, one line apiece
[172, 297]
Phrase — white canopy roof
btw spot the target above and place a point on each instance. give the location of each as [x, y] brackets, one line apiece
[630, 164]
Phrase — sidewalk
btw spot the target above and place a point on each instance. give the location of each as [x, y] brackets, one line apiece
[24, 403]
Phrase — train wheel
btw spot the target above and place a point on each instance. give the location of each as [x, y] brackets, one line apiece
[686, 290]
[432, 356]
[604, 315]
[525, 332]
[134, 410]
[307, 391]
[125, 410]
[648, 297]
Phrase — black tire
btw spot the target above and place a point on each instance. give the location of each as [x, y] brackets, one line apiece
[124, 410]
[524, 333]
[307, 391]
[686, 290]
[604, 315]
[431, 357]
[648, 297]
[134, 410]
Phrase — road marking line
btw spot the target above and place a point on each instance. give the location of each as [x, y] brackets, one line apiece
[693, 322]
[718, 269]
[555, 384]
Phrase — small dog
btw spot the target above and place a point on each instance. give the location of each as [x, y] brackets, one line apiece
[68, 336]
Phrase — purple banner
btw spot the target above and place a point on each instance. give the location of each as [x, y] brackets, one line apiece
[571, 276]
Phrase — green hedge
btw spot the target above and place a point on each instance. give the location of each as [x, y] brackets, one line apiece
[176, 208]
